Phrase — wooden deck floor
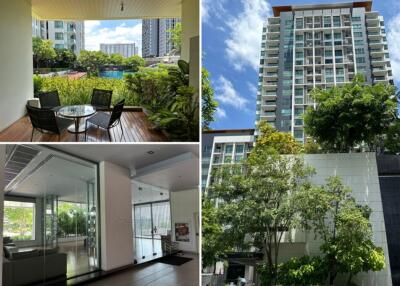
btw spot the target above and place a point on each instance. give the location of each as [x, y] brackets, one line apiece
[135, 124]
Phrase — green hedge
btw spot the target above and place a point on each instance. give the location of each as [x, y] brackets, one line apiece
[79, 91]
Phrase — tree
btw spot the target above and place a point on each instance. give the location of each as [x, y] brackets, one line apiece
[351, 114]
[19, 220]
[65, 58]
[392, 138]
[256, 198]
[91, 61]
[134, 63]
[209, 105]
[176, 36]
[42, 50]
[116, 60]
[331, 212]
[214, 244]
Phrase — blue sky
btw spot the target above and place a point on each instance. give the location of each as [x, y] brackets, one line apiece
[231, 46]
[121, 31]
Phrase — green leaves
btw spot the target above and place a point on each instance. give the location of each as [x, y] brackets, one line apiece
[349, 115]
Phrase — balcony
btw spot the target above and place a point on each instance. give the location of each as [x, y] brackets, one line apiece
[382, 71]
[269, 105]
[269, 96]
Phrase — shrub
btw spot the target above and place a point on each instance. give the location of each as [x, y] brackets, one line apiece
[79, 91]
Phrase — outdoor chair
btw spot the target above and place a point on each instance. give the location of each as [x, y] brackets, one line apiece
[45, 120]
[101, 99]
[107, 121]
[50, 100]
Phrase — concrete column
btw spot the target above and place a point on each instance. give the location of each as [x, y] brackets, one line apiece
[16, 60]
[115, 216]
[191, 39]
[2, 164]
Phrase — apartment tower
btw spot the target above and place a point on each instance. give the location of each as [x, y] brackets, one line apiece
[63, 34]
[316, 46]
[156, 38]
[125, 50]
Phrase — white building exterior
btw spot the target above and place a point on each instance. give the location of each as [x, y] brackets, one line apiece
[126, 50]
[63, 34]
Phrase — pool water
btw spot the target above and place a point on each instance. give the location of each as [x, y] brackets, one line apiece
[114, 74]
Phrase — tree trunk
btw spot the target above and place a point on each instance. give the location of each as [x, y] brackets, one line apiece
[349, 280]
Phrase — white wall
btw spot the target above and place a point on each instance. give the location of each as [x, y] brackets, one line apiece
[184, 206]
[16, 60]
[116, 216]
[359, 172]
[2, 185]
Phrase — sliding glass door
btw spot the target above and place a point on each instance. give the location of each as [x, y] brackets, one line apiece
[151, 222]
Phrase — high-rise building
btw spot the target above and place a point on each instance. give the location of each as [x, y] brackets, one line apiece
[316, 46]
[64, 34]
[125, 50]
[156, 38]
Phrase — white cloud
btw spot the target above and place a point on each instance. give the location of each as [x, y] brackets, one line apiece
[253, 89]
[123, 33]
[212, 8]
[393, 36]
[226, 94]
[220, 113]
[244, 42]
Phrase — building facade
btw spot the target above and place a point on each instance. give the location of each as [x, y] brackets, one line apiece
[125, 50]
[223, 147]
[156, 40]
[316, 46]
[63, 34]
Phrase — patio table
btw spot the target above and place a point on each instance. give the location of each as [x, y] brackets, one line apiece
[77, 112]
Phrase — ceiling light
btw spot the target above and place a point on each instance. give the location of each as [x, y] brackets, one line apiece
[151, 152]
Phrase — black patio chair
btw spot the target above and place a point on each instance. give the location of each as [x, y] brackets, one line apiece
[46, 120]
[101, 99]
[50, 100]
[107, 121]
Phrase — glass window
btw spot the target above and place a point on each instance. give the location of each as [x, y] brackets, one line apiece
[299, 92]
[299, 37]
[58, 24]
[59, 36]
[336, 21]
[360, 60]
[217, 159]
[19, 220]
[218, 148]
[328, 71]
[338, 36]
[59, 46]
[228, 159]
[338, 53]
[327, 36]
[298, 134]
[356, 19]
[328, 53]
[240, 148]
[358, 34]
[358, 42]
[286, 111]
[299, 23]
[327, 21]
[228, 148]
[360, 51]
[238, 158]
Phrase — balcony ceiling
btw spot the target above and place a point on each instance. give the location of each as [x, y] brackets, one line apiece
[105, 9]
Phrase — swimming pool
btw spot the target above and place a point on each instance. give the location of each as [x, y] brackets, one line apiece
[114, 74]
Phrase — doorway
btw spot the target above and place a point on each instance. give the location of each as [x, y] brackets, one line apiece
[151, 222]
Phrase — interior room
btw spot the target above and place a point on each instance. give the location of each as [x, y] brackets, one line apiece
[87, 212]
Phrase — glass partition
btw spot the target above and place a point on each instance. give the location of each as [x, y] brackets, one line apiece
[51, 217]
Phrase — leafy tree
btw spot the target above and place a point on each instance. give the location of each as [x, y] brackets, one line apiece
[351, 114]
[42, 51]
[134, 63]
[65, 58]
[209, 105]
[176, 36]
[116, 60]
[257, 197]
[214, 244]
[331, 212]
[392, 138]
[91, 61]
[19, 220]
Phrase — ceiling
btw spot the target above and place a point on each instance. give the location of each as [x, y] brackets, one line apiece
[143, 193]
[128, 155]
[105, 9]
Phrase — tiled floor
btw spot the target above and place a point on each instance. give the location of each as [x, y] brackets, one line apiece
[156, 274]
[147, 249]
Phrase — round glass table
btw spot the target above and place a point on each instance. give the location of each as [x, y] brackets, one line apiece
[77, 112]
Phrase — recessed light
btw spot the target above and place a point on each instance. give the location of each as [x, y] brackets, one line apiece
[151, 152]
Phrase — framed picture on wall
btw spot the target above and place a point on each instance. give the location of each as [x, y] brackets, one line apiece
[182, 232]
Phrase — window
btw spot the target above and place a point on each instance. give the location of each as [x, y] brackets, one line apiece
[217, 159]
[286, 112]
[336, 21]
[59, 36]
[299, 23]
[358, 42]
[59, 46]
[228, 159]
[19, 220]
[298, 134]
[58, 24]
[239, 148]
[359, 51]
[238, 158]
[298, 92]
[228, 148]
[338, 53]
[358, 34]
[356, 19]
[218, 148]
[357, 26]
[338, 36]
[299, 37]
[327, 21]
[360, 60]
[328, 53]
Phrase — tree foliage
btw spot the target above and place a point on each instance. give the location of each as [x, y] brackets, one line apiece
[176, 36]
[208, 104]
[91, 61]
[352, 114]
[134, 63]
[43, 51]
[65, 58]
